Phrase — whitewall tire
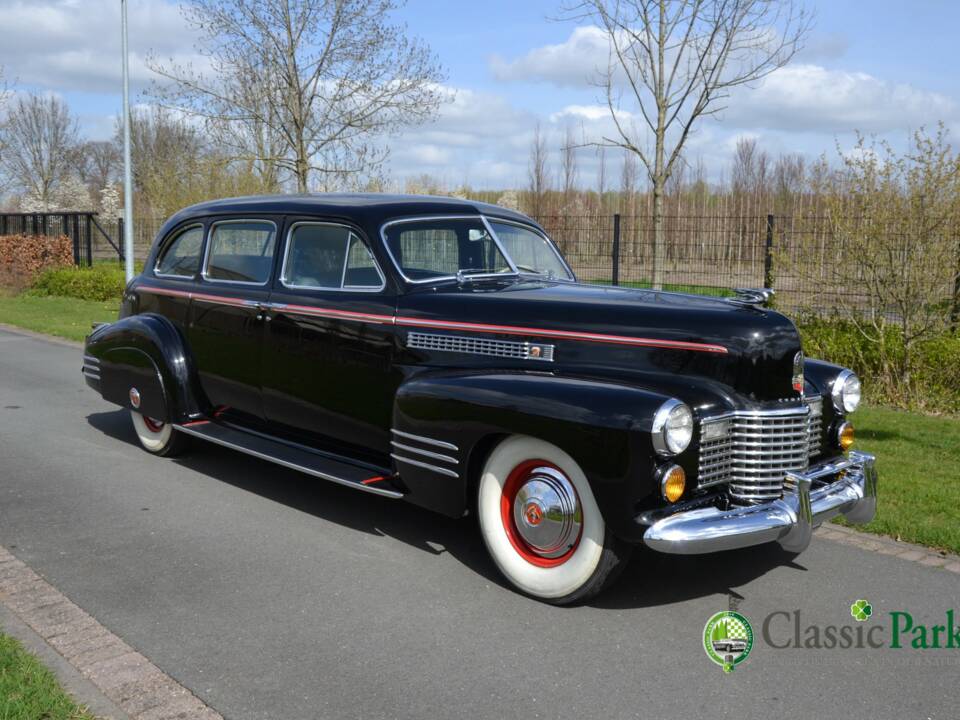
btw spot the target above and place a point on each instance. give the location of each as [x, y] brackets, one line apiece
[541, 523]
[157, 437]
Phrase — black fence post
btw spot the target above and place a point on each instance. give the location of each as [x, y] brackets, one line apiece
[768, 255]
[89, 228]
[120, 237]
[615, 276]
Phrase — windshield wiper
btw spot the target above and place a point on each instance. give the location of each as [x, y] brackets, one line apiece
[465, 275]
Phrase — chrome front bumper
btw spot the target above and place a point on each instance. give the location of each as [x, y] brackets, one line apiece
[789, 520]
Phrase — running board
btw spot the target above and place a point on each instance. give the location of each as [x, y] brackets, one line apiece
[294, 457]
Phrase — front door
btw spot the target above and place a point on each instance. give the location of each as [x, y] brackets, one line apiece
[327, 359]
[227, 319]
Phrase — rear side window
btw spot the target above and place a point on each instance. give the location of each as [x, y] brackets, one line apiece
[181, 256]
[241, 251]
[329, 257]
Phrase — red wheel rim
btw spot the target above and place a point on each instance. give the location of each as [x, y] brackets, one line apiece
[154, 426]
[516, 480]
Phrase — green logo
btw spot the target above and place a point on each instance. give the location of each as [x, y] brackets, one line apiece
[861, 610]
[727, 639]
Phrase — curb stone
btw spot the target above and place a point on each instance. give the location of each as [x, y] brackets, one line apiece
[888, 546]
[125, 685]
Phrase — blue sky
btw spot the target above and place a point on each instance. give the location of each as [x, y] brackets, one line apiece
[881, 66]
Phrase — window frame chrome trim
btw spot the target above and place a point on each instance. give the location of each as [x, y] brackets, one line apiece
[486, 223]
[165, 246]
[351, 232]
[209, 242]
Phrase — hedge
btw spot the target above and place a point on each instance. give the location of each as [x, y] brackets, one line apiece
[100, 282]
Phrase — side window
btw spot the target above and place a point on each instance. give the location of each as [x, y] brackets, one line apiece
[181, 256]
[428, 251]
[241, 251]
[329, 257]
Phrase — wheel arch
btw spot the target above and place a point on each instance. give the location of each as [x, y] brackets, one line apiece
[603, 426]
[146, 352]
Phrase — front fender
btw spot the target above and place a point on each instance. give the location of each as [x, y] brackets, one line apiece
[604, 426]
[146, 352]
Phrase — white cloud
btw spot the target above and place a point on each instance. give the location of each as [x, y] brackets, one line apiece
[74, 45]
[812, 98]
[800, 97]
[572, 63]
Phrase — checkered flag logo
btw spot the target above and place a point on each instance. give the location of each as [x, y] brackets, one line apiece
[736, 629]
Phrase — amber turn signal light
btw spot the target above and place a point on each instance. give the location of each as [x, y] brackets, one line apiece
[673, 481]
[845, 436]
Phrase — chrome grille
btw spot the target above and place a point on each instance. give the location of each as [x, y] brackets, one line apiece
[480, 346]
[752, 451]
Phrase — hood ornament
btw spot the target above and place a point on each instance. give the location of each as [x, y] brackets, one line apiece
[751, 297]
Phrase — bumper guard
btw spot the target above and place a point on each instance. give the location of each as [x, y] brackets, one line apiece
[789, 520]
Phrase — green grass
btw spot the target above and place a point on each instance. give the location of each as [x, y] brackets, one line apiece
[28, 691]
[918, 461]
[65, 317]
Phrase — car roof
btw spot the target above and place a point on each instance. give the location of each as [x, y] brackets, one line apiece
[370, 206]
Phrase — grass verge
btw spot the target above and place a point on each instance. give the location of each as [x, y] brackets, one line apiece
[918, 460]
[28, 691]
[64, 317]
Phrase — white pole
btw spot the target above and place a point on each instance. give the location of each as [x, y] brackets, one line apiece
[127, 172]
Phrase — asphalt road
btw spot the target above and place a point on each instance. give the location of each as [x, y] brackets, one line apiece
[275, 595]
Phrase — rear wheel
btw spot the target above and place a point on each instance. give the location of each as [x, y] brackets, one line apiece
[158, 437]
[541, 524]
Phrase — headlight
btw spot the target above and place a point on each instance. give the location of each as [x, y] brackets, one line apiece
[846, 392]
[672, 428]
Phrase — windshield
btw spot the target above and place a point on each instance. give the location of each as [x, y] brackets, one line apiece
[437, 248]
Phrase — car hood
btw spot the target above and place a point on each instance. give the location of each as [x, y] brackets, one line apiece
[695, 343]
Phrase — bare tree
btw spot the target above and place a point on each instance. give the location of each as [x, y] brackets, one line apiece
[743, 173]
[309, 85]
[568, 165]
[789, 178]
[891, 263]
[676, 61]
[537, 171]
[99, 163]
[601, 177]
[40, 142]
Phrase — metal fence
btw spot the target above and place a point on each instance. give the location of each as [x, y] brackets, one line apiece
[90, 240]
[707, 254]
[711, 254]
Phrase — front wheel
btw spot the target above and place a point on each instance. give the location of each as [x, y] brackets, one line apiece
[158, 437]
[541, 524]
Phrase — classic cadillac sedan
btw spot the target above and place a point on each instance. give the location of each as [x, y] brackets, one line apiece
[442, 352]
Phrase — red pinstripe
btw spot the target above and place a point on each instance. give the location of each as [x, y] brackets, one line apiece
[455, 325]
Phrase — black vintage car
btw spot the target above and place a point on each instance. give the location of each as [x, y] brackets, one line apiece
[441, 351]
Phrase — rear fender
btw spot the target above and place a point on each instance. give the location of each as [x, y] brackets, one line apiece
[146, 353]
[604, 426]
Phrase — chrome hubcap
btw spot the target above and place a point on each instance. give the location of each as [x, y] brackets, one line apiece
[547, 513]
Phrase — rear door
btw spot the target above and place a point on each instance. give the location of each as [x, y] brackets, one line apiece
[327, 362]
[227, 320]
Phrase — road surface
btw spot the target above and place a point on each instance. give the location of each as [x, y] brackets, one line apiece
[275, 595]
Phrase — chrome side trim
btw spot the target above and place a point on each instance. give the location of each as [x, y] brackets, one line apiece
[788, 520]
[293, 466]
[480, 346]
[427, 453]
[426, 440]
[428, 466]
